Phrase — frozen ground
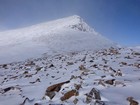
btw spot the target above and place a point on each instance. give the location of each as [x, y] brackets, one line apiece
[84, 70]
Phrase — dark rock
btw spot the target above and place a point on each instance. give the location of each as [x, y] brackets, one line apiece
[70, 63]
[110, 82]
[91, 61]
[31, 63]
[136, 53]
[75, 101]
[4, 66]
[50, 94]
[38, 68]
[95, 66]
[93, 94]
[7, 89]
[51, 66]
[81, 67]
[77, 86]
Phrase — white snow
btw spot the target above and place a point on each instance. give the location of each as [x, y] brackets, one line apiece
[58, 49]
[125, 86]
[62, 35]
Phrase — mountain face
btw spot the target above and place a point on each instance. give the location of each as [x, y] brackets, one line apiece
[63, 35]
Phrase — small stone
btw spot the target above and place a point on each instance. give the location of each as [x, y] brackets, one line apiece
[77, 86]
[81, 67]
[51, 66]
[75, 101]
[110, 82]
[93, 94]
[91, 61]
[70, 63]
[50, 94]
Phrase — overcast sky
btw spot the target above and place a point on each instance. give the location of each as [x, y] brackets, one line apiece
[119, 20]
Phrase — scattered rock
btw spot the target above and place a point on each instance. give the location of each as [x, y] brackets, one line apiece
[128, 57]
[93, 94]
[118, 73]
[110, 82]
[38, 69]
[95, 66]
[31, 63]
[7, 89]
[132, 101]
[103, 76]
[123, 63]
[83, 59]
[70, 63]
[25, 72]
[91, 61]
[101, 82]
[114, 51]
[137, 65]
[50, 92]
[136, 53]
[29, 75]
[69, 94]
[77, 86]
[37, 104]
[75, 101]
[4, 66]
[56, 87]
[51, 66]
[81, 67]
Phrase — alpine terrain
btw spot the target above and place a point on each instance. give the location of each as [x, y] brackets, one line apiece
[66, 62]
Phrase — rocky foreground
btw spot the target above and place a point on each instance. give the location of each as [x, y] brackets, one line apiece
[106, 77]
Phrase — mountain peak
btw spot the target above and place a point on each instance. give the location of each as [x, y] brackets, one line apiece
[77, 23]
[67, 34]
[75, 17]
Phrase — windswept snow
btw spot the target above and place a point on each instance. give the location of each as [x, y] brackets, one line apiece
[62, 35]
[85, 71]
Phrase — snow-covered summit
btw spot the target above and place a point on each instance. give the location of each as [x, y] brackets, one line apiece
[61, 35]
[76, 22]
[73, 22]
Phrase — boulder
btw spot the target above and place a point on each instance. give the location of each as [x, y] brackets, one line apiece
[93, 94]
[50, 92]
[132, 101]
[69, 94]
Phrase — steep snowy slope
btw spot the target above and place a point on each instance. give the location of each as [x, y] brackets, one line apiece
[62, 35]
